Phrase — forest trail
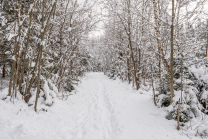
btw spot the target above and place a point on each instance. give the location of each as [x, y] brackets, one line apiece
[111, 109]
[101, 109]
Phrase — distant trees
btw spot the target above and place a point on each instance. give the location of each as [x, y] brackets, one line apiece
[147, 42]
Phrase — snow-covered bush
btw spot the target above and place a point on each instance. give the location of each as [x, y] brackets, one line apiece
[190, 94]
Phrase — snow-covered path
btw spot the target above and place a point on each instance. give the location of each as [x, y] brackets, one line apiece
[101, 109]
[116, 111]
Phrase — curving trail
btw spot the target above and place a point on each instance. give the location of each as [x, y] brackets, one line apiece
[101, 109]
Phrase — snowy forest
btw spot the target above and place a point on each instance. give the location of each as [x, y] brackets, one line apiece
[104, 69]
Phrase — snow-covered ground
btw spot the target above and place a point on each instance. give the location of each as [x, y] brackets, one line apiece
[101, 109]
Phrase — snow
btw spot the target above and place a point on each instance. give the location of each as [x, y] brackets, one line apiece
[49, 94]
[101, 109]
[33, 64]
[10, 36]
[4, 21]
[69, 29]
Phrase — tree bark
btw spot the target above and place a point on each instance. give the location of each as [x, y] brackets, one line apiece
[165, 63]
[207, 40]
[153, 89]
[25, 52]
[178, 115]
[4, 72]
[130, 44]
[171, 54]
[16, 50]
[39, 72]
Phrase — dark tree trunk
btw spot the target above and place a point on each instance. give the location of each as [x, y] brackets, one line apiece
[4, 72]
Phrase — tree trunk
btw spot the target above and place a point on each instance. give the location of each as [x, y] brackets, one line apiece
[207, 39]
[43, 32]
[25, 52]
[128, 71]
[16, 50]
[153, 89]
[138, 78]
[158, 39]
[39, 72]
[39, 58]
[130, 45]
[171, 54]
[27, 94]
[4, 72]
[178, 115]
[207, 43]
